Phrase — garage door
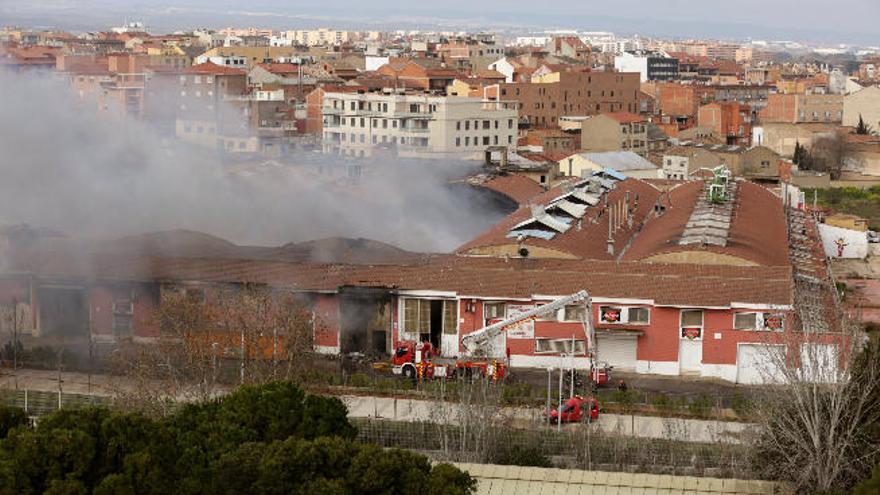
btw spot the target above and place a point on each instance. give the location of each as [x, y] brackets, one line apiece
[755, 363]
[618, 351]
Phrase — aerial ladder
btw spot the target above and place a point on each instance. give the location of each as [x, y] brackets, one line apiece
[418, 360]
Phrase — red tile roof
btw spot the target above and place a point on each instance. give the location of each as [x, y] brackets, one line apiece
[757, 230]
[278, 68]
[686, 285]
[516, 187]
[625, 117]
[587, 242]
[212, 68]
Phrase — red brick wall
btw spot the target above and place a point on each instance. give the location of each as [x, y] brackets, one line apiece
[326, 320]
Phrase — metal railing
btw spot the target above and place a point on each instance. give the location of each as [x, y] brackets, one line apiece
[41, 403]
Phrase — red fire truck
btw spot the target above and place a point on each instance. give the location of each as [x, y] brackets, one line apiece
[418, 360]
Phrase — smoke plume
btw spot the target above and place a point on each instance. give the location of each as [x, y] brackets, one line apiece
[64, 167]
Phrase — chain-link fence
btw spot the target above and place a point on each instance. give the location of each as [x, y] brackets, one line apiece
[580, 447]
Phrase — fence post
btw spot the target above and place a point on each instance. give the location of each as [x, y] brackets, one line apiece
[25, 401]
[59, 399]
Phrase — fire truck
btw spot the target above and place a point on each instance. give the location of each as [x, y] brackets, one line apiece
[418, 360]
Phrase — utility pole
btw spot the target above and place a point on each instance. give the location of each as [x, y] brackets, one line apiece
[571, 386]
[549, 375]
[559, 410]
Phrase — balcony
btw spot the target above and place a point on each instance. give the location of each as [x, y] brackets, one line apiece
[414, 130]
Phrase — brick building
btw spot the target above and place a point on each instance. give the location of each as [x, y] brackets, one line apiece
[573, 93]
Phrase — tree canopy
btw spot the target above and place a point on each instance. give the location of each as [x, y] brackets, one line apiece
[271, 439]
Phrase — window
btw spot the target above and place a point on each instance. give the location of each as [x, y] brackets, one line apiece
[510, 123]
[467, 140]
[494, 311]
[485, 140]
[692, 323]
[458, 141]
[745, 321]
[450, 318]
[417, 316]
[486, 124]
[467, 125]
[574, 312]
[640, 316]
[123, 310]
[560, 346]
[458, 126]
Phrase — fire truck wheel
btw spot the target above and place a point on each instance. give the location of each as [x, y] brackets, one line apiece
[409, 372]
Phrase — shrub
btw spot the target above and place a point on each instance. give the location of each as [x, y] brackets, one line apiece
[741, 405]
[359, 380]
[665, 403]
[519, 455]
[701, 406]
[11, 417]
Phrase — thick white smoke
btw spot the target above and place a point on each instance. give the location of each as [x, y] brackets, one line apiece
[64, 167]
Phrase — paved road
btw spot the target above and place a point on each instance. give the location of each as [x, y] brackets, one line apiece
[693, 430]
[413, 409]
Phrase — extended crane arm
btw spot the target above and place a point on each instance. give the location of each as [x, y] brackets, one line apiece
[478, 339]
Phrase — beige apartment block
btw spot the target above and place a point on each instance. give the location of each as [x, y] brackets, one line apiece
[416, 125]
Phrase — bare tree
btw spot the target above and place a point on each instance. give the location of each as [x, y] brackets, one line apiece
[261, 333]
[815, 418]
[831, 153]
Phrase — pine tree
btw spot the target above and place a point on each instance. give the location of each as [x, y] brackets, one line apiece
[798, 151]
[862, 129]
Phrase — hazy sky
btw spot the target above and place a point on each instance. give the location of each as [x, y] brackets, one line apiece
[825, 20]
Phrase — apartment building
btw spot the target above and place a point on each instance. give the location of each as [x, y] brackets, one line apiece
[620, 131]
[799, 108]
[415, 125]
[651, 66]
[730, 121]
[319, 37]
[542, 104]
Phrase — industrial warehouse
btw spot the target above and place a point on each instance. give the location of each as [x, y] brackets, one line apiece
[684, 278]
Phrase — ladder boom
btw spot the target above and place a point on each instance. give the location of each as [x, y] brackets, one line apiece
[478, 339]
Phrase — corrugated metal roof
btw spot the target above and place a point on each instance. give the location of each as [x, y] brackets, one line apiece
[508, 480]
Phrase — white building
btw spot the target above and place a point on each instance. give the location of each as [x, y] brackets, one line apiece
[416, 125]
[319, 37]
[504, 67]
[652, 66]
[237, 61]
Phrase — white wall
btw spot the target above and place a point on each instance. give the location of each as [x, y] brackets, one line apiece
[855, 243]
[627, 62]
[373, 63]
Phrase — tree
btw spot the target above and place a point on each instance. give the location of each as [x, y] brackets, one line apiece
[256, 440]
[818, 423]
[265, 335]
[798, 153]
[11, 417]
[863, 129]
